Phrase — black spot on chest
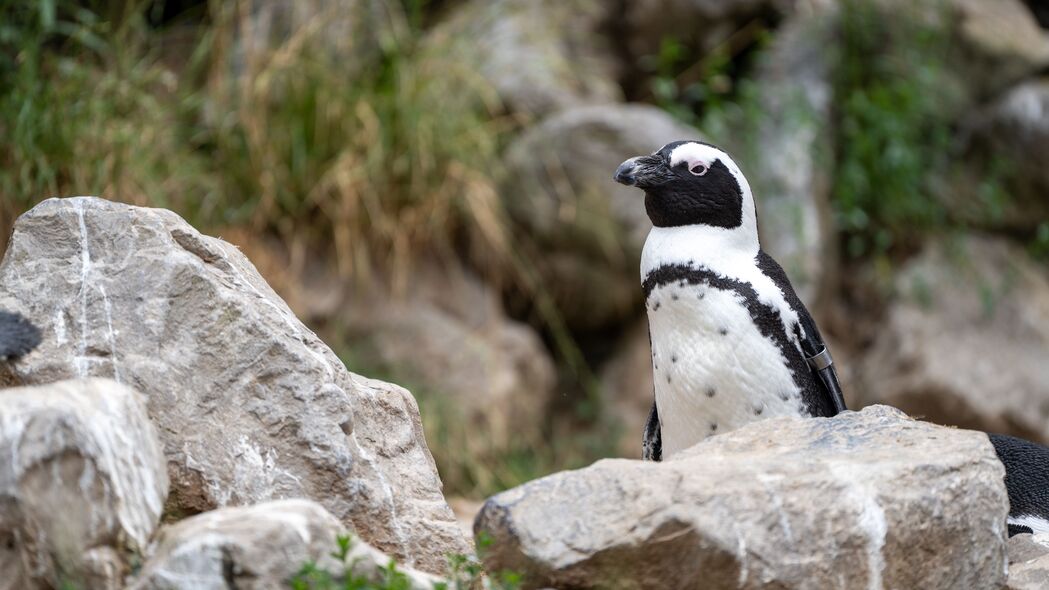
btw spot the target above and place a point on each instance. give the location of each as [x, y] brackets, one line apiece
[766, 318]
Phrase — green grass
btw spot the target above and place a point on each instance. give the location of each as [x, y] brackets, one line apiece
[465, 573]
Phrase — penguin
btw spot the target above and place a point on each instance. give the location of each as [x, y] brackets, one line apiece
[18, 336]
[731, 341]
[1026, 483]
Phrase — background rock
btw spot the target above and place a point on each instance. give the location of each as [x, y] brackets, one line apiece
[591, 229]
[540, 55]
[250, 405]
[82, 483]
[449, 333]
[258, 547]
[966, 340]
[865, 499]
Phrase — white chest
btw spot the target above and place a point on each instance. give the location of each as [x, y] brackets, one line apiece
[714, 370]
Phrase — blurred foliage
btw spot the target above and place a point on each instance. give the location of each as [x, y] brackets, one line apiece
[893, 134]
[79, 116]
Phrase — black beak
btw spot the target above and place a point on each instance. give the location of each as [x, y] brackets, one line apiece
[642, 171]
[627, 173]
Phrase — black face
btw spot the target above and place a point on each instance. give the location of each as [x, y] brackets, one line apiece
[708, 195]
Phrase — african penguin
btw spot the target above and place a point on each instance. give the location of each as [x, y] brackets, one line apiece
[731, 341]
[18, 337]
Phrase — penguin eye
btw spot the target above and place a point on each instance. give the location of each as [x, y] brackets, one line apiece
[698, 169]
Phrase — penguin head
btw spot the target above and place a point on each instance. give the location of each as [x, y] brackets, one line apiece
[691, 183]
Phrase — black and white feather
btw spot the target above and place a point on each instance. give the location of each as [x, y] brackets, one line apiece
[18, 336]
[726, 327]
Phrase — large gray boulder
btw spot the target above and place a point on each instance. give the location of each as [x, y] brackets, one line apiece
[966, 339]
[250, 404]
[867, 499]
[82, 484]
[591, 229]
[260, 547]
[540, 56]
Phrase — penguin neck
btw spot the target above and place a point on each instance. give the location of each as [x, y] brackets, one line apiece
[716, 248]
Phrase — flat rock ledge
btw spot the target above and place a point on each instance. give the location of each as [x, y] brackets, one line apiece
[869, 499]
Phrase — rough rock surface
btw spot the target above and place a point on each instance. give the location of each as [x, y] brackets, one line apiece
[250, 405]
[497, 376]
[966, 340]
[540, 55]
[1028, 562]
[867, 499]
[257, 547]
[560, 189]
[82, 483]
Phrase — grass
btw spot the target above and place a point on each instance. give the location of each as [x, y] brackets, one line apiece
[465, 573]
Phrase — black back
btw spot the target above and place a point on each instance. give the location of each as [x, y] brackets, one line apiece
[1026, 477]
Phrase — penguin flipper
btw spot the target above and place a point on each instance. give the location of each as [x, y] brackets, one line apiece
[652, 439]
[18, 336]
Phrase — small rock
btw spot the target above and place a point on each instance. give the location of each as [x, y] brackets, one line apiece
[1028, 562]
[259, 547]
[82, 483]
[866, 499]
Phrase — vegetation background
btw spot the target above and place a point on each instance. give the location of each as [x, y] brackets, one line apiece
[387, 166]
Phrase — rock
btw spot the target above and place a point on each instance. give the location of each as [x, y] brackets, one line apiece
[589, 228]
[82, 483]
[498, 378]
[788, 166]
[539, 55]
[250, 405]
[867, 499]
[627, 391]
[1028, 562]
[257, 547]
[1012, 134]
[965, 340]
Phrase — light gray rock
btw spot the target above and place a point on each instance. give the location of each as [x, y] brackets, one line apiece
[259, 547]
[1028, 562]
[82, 483]
[867, 499]
[539, 55]
[591, 229]
[966, 339]
[250, 404]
